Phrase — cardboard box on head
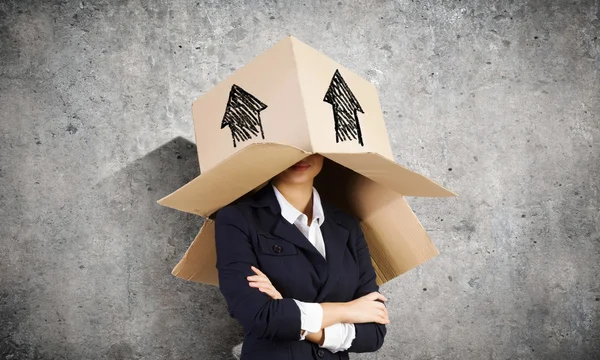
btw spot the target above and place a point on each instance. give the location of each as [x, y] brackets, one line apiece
[286, 104]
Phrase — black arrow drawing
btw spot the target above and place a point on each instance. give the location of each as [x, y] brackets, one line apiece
[345, 107]
[242, 115]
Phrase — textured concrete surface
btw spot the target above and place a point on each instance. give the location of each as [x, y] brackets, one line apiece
[498, 101]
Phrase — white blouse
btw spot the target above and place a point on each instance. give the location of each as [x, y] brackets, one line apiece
[338, 337]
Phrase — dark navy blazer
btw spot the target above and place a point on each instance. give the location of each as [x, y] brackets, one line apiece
[253, 232]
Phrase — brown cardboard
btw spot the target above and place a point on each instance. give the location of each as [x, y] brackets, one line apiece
[287, 103]
[397, 241]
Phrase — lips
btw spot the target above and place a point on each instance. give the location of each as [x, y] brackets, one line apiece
[301, 166]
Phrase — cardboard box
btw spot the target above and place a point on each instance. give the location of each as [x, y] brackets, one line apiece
[289, 102]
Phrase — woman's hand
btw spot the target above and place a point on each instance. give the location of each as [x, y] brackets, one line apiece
[262, 282]
[367, 309]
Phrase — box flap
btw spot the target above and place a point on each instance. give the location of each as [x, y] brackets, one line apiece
[200, 260]
[390, 174]
[232, 178]
[397, 240]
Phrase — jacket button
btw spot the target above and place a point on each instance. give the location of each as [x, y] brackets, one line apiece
[277, 249]
[320, 353]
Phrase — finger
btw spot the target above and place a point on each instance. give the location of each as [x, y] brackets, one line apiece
[257, 271]
[381, 297]
[258, 278]
[382, 314]
[382, 308]
[265, 279]
[376, 296]
[370, 296]
[265, 287]
[383, 320]
[262, 287]
[274, 294]
[261, 284]
[268, 291]
[385, 315]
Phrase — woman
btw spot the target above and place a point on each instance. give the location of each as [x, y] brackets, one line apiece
[297, 274]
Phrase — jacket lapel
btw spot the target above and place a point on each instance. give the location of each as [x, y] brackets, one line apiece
[265, 197]
[334, 234]
[291, 233]
[335, 237]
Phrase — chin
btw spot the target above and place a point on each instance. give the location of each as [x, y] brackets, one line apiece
[298, 178]
[291, 176]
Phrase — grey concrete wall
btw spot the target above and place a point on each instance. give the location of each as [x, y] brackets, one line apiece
[497, 100]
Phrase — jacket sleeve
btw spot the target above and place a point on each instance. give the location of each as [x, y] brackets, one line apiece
[260, 316]
[369, 336]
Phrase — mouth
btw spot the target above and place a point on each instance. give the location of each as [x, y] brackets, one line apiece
[301, 166]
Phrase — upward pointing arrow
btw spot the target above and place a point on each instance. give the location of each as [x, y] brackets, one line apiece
[345, 108]
[242, 115]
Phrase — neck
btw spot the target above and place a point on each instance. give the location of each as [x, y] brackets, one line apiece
[298, 195]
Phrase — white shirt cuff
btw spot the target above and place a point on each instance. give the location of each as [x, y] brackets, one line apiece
[311, 317]
[338, 337]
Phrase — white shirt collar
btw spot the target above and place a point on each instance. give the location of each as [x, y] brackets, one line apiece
[291, 214]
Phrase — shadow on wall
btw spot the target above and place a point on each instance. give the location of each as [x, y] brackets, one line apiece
[171, 318]
[117, 248]
[14, 310]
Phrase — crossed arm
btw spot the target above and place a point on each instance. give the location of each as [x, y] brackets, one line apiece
[265, 314]
[362, 310]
